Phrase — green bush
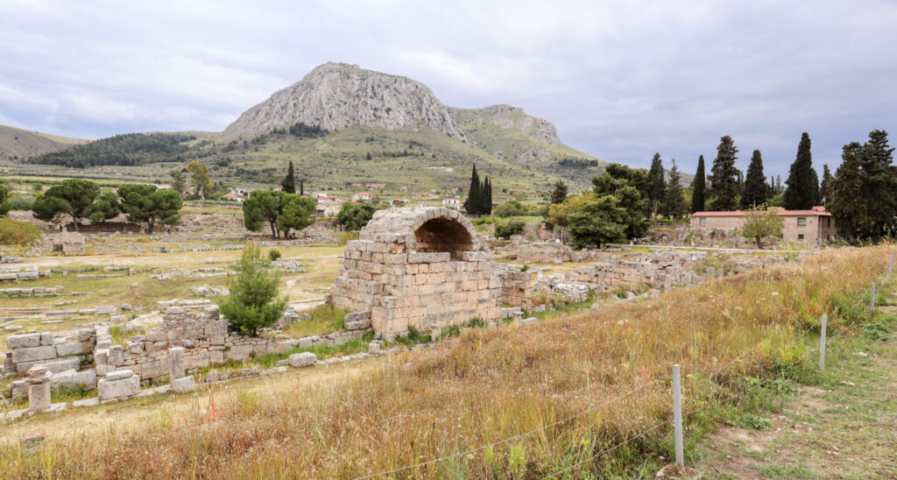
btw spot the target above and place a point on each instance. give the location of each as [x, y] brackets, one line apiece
[22, 203]
[274, 254]
[509, 227]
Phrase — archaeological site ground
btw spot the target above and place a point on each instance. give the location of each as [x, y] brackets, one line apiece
[425, 349]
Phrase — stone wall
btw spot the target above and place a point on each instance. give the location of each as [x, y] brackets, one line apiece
[57, 352]
[206, 341]
[418, 267]
[516, 286]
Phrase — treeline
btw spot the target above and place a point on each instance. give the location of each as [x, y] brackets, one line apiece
[577, 163]
[302, 131]
[82, 199]
[122, 150]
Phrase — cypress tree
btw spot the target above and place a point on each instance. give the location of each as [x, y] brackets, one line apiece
[674, 202]
[880, 196]
[847, 206]
[803, 183]
[474, 202]
[825, 188]
[755, 188]
[486, 197]
[289, 182]
[656, 185]
[698, 185]
[723, 184]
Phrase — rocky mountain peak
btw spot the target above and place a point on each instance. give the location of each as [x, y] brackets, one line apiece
[335, 96]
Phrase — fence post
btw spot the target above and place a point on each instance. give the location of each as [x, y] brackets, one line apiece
[891, 268]
[677, 416]
[872, 302]
[822, 343]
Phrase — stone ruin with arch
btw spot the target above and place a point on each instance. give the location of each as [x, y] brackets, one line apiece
[423, 267]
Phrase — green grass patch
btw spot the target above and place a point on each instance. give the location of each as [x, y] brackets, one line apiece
[324, 319]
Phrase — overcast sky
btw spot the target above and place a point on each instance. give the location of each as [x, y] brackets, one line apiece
[621, 80]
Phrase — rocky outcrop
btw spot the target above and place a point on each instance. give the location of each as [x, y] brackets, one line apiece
[335, 96]
[514, 118]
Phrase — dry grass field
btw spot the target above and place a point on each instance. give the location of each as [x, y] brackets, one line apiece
[585, 394]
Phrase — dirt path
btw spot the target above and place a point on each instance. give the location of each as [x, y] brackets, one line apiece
[845, 427]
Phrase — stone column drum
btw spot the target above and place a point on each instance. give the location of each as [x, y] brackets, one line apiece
[176, 367]
[38, 389]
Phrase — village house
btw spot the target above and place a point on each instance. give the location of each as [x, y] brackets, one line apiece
[361, 197]
[814, 227]
[452, 203]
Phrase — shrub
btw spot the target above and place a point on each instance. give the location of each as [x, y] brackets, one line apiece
[18, 233]
[507, 228]
[274, 254]
[253, 302]
[22, 203]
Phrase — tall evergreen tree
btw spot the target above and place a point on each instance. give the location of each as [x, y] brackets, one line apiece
[825, 187]
[803, 182]
[656, 185]
[723, 184]
[473, 202]
[755, 188]
[559, 193]
[289, 182]
[698, 187]
[864, 191]
[674, 202]
[486, 197]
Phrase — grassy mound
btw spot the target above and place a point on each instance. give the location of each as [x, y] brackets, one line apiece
[17, 233]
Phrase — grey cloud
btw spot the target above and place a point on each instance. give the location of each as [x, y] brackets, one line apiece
[620, 80]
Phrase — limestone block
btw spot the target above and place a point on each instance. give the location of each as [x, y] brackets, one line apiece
[119, 384]
[238, 353]
[183, 384]
[116, 355]
[528, 321]
[24, 340]
[176, 363]
[73, 378]
[69, 348]
[38, 389]
[33, 354]
[304, 359]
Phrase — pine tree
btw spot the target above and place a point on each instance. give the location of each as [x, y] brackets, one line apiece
[559, 194]
[723, 184]
[674, 202]
[803, 183]
[656, 185]
[824, 189]
[473, 202]
[755, 188]
[698, 185]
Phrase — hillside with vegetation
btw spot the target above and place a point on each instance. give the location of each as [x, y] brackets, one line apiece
[342, 125]
[17, 144]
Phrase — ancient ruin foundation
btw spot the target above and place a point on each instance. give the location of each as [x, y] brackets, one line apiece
[422, 267]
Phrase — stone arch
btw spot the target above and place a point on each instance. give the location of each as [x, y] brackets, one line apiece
[443, 234]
